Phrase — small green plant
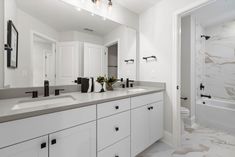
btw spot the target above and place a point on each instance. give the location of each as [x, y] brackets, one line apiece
[110, 82]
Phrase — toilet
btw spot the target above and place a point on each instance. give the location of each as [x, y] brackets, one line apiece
[185, 113]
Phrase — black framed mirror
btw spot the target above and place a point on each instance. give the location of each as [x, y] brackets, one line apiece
[12, 42]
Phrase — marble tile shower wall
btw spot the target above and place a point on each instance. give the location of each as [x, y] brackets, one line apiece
[219, 61]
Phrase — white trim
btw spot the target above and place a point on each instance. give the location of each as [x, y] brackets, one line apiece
[176, 65]
[168, 138]
[110, 43]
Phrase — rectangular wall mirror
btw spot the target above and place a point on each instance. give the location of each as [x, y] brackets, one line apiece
[59, 42]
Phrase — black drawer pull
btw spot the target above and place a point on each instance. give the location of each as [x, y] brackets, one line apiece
[43, 145]
[116, 155]
[53, 141]
[116, 107]
[149, 108]
[117, 129]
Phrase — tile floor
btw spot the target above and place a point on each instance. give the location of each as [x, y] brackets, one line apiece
[199, 142]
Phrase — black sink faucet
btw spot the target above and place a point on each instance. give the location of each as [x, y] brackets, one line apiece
[128, 83]
[46, 88]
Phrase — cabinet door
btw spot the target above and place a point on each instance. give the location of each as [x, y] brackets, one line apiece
[67, 62]
[139, 130]
[33, 148]
[156, 121]
[74, 142]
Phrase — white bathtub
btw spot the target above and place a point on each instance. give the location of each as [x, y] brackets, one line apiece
[217, 114]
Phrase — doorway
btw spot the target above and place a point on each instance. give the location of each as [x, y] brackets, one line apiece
[43, 56]
[113, 60]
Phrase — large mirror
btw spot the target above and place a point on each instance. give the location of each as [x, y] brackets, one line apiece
[52, 40]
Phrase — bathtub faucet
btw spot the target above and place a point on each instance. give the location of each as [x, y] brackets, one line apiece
[206, 96]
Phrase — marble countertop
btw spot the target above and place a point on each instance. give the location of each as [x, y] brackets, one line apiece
[82, 99]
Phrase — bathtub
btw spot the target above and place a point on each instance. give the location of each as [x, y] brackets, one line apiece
[218, 114]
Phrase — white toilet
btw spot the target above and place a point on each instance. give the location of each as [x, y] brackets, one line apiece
[185, 113]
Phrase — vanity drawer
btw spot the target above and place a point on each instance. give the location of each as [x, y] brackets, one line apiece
[146, 99]
[120, 149]
[113, 129]
[113, 107]
[26, 129]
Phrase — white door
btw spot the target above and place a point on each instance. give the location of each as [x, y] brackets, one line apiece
[49, 66]
[156, 121]
[139, 130]
[74, 142]
[95, 60]
[67, 62]
[33, 148]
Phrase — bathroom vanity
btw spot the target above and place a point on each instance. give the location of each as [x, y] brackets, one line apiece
[121, 123]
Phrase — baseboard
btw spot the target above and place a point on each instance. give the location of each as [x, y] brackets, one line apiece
[168, 138]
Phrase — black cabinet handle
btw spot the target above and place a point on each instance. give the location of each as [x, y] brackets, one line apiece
[43, 145]
[116, 155]
[116, 129]
[53, 141]
[116, 107]
[151, 107]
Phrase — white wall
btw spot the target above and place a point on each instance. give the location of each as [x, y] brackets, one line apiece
[126, 50]
[156, 39]
[1, 42]
[82, 37]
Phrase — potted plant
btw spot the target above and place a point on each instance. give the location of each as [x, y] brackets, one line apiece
[110, 82]
[101, 81]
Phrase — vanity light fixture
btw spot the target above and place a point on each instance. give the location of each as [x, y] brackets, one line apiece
[97, 3]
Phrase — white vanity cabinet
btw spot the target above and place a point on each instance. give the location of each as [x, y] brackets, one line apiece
[146, 121]
[68, 133]
[74, 142]
[34, 148]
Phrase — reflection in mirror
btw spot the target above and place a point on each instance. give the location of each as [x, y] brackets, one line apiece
[58, 42]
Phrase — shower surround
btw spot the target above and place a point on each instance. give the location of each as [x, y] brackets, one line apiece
[219, 62]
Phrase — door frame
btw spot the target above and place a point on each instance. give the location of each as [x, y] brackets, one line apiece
[110, 43]
[53, 41]
[176, 66]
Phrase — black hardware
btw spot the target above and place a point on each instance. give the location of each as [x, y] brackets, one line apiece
[129, 60]
[202, 87]
[150, 57]
[206, 37]
[79, 80]
[46, 88]
[116, 128]
[53, 141]
[34, 94]
[116, 155]
[116, 107]
[151, 107]
[204, 102]
[123, 85]
[177, 87]
[7, 47]
[43, 145]
[131, 85]
[206, 96]
[57, 91]
[184, 98]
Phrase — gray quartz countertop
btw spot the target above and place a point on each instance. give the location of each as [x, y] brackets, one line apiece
[8, 113]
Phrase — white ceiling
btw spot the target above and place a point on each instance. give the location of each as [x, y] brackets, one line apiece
[216, 13]
[137, 6]
[64, 17]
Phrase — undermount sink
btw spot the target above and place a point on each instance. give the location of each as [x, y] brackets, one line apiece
[136, 90]
[43, 102]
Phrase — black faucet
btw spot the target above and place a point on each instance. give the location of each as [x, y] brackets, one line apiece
[206, 96]
[46, 88]
[128, 83]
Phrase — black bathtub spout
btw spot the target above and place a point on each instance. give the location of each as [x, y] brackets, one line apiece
[206, 96]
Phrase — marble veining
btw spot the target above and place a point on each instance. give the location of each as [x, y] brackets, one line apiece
[197, 142]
